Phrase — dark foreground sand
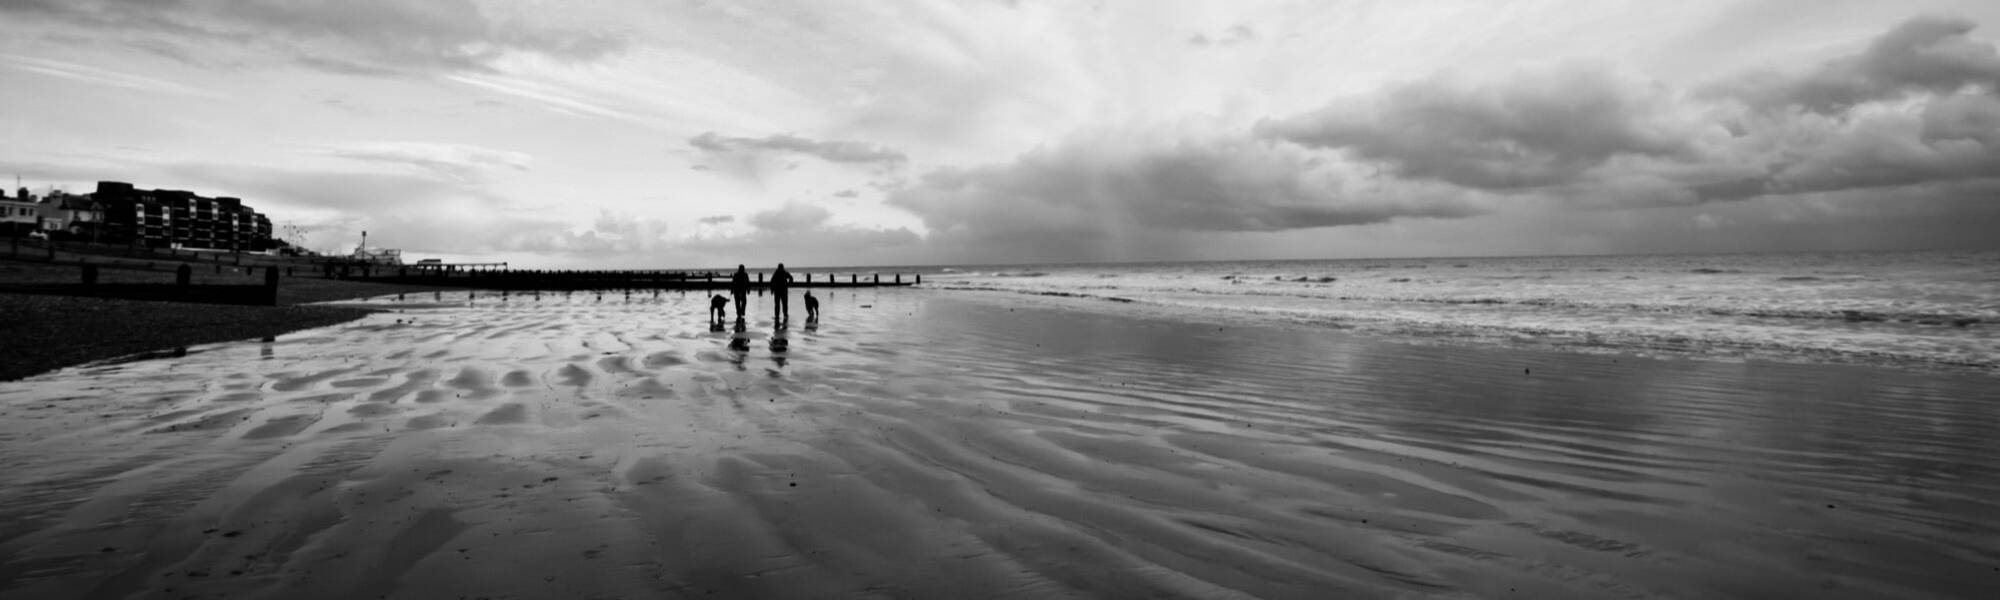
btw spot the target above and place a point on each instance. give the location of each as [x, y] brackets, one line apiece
[42, 332]
[919, 444]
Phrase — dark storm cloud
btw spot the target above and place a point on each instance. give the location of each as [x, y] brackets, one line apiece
[1920, 106]
[1932, 54]
[1917, 106]
[1537, 128]
[1913, 117]
[1093, 189]
[368, 37]
[831, 151]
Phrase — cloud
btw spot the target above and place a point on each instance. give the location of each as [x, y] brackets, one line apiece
[824, 244]
[1551, 138]
[415, 213]
[1235, 34]
[1931, 54]
[1534, 128]
[612, 233]
[791, 217]
[1920, 106]
[329, 190]
[846, 194]
[456, 162]
[831, 151]
[1885, 147]
[557, 98]
[793, 234]
[105, 77]
[1100, 189]
[350, 36]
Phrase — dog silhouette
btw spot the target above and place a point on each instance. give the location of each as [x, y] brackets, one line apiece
[718, 307]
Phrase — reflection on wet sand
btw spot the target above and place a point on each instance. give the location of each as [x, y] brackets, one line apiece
[920, 445]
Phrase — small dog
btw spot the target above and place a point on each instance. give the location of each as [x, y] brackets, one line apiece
[718, 307]
[812, 307]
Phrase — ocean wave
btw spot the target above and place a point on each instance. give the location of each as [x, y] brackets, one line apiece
[1918, 317]
[1885, 338]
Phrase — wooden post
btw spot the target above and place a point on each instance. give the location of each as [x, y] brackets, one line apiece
[899, 279]
[854, 278]
[183, 275]
[89, 275]
[270, 286]
[920, 279]
[877, 279]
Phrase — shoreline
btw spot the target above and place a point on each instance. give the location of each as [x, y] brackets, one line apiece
[1504, 337]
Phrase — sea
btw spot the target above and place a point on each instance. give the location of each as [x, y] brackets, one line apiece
[1911, 309]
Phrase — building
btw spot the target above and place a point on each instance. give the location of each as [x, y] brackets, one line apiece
[180, 219]
[76, 215]
[20, 215]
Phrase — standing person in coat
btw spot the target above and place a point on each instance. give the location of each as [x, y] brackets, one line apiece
[781, 284]
[739, 286]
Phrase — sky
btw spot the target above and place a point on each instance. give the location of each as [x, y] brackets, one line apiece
[665, 134]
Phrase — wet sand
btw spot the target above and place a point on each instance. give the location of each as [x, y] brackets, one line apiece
[924, 444]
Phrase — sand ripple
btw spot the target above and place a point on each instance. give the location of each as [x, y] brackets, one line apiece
[928, 446]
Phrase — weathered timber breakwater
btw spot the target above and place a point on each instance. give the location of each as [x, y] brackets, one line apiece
[508, 279]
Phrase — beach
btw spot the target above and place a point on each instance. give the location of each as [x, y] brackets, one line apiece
[919, 443]
[46, 331]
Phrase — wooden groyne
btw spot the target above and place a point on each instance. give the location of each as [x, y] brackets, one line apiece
[183, 289]
[511, 279]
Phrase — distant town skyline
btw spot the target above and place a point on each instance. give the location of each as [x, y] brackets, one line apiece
[632, 134]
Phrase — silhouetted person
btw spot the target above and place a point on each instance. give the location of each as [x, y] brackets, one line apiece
[739, 286]
[781, 304]
[718, 308]
[812, 307]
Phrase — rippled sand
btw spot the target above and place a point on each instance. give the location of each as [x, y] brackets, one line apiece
[922, 444]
